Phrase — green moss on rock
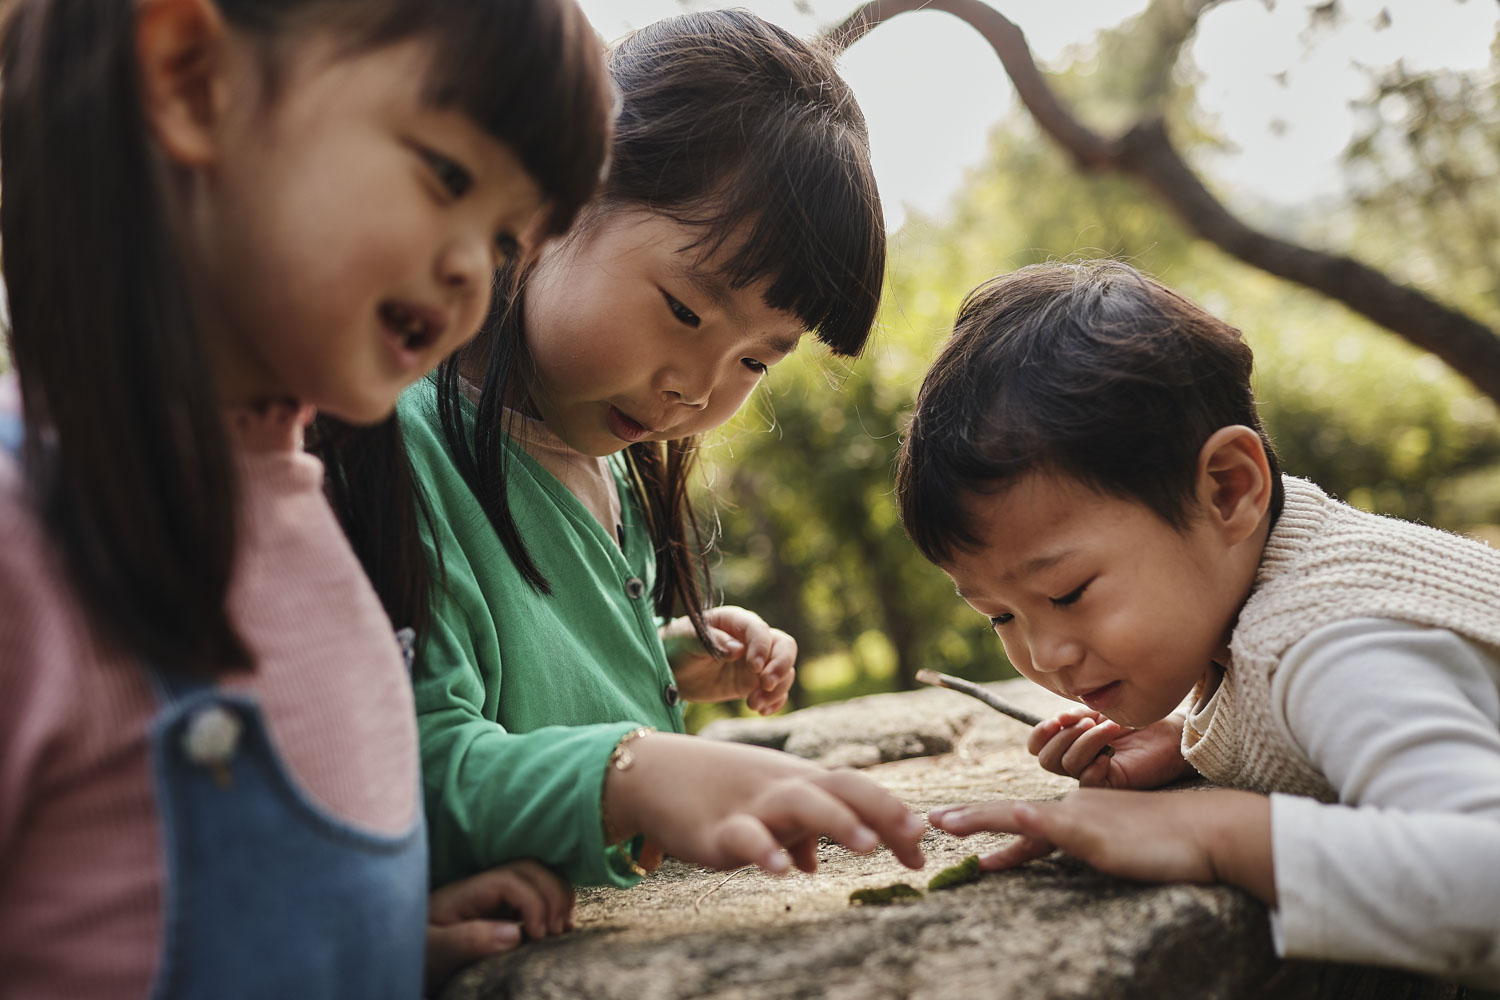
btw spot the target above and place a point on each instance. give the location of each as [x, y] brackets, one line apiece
[884, 895]
[964, 872]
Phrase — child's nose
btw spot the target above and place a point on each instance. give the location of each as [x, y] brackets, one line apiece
[686, 388]
[1051, 652]
[467, 263]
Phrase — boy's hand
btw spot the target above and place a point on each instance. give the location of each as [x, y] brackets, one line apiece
[723, 805]
[1143, 758]
[1218, 835]
[757, 664]
[484, 915]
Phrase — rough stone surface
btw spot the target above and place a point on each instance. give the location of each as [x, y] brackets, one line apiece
[1052, 930]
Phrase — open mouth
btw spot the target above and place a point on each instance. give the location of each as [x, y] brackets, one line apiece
[625, 428]
[414, 330]
[1100, 698]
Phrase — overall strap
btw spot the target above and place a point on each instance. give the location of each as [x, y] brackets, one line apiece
[12, 433]
[175, 686]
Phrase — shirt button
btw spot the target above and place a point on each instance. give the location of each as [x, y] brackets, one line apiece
[635, 587]
[670, 695]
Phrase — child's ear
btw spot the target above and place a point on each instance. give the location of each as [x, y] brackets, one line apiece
[1234, 480]
[181, 53]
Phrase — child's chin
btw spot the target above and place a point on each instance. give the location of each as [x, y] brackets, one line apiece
[359, 412]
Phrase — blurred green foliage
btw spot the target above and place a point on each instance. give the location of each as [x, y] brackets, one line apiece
[802, 479]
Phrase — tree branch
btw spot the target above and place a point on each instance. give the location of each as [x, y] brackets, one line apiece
[1146, 152]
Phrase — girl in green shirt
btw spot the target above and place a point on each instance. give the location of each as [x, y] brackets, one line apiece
[552, 458]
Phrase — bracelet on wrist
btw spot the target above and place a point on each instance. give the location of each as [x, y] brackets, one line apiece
[620, 759]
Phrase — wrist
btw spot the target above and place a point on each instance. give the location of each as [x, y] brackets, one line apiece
[1239, 843]
[617, 798]
[1184, 768]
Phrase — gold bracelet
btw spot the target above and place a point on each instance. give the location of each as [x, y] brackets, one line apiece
[620, 759]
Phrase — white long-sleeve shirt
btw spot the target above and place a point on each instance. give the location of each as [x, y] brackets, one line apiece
[1405, 870]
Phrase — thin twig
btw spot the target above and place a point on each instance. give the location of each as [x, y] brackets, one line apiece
[738, 871]
[997, 703]
[975, 691]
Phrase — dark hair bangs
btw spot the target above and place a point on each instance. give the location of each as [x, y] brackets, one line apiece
[1089, 370]
[935, 472]
[548, 99]
[737, 128]
[813, 227]
[529, 73]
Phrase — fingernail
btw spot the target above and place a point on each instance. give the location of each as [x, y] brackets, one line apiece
[914, 825]
[508, 934]
[944, 817]
[864, 839]
[776, 863]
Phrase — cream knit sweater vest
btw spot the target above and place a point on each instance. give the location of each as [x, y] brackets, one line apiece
[1326, 562]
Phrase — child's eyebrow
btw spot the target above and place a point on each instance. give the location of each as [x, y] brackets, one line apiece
[1027, 568]
[717, 289]
[785, 345]
[707, 282]
[1036, 565]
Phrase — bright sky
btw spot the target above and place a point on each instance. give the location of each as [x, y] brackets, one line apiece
[931, 88]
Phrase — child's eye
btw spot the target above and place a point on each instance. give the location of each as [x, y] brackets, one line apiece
[997, 620]
[508, 245]
[1070, 597]
[455, 179]
[684, 315]
[757, 367]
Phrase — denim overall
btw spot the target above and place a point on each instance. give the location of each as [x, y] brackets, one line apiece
[266, 895]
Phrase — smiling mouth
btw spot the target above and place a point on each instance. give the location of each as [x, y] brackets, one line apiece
[414, 330]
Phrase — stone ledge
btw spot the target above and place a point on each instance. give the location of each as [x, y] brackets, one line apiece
[1051, 930]
[881, 728]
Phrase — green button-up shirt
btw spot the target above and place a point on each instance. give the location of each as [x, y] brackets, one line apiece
[521, 696]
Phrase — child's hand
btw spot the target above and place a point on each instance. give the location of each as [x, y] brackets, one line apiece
[1219, 835]
[1143, 758]
[724, 805]
[757, 664]
[484, 915]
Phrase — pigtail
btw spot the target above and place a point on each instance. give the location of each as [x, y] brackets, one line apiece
[479, 450]
[125, 446]
[660, 475]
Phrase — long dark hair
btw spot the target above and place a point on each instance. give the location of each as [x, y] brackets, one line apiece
[1091, 370]
[125, 449]
[746, 135]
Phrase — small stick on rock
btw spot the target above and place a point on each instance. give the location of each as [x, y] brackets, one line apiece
[973, 690]
[738, 871]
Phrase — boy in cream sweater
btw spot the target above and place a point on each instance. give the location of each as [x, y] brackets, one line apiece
[1086, 462]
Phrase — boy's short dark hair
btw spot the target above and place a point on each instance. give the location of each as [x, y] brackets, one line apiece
[1091, 370]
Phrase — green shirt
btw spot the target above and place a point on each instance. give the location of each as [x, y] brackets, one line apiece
[522, 696]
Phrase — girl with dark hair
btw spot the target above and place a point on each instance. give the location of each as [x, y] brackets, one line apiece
[217, 215]
[554, 456]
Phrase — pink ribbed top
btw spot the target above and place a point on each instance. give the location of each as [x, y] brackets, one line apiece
[81, 863]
